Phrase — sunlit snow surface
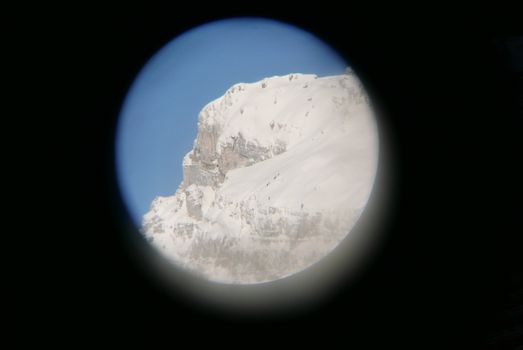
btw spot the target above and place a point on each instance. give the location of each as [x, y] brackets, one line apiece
[280, 172]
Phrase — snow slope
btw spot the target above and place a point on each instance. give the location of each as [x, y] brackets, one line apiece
[279, 173]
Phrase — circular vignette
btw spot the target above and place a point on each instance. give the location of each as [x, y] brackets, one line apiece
[311, 283]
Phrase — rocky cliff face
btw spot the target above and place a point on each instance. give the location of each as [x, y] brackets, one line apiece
[279, 172]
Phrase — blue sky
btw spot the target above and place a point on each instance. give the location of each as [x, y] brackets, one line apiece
[158, 120]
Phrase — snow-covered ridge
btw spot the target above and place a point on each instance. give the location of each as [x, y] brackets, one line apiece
[278, 174]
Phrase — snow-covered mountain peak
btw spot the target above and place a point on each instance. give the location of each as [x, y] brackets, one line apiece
[279, 172]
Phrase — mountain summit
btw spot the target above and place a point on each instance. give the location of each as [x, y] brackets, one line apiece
[279, 172]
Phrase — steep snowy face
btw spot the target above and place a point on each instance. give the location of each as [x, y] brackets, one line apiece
[279, 173]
